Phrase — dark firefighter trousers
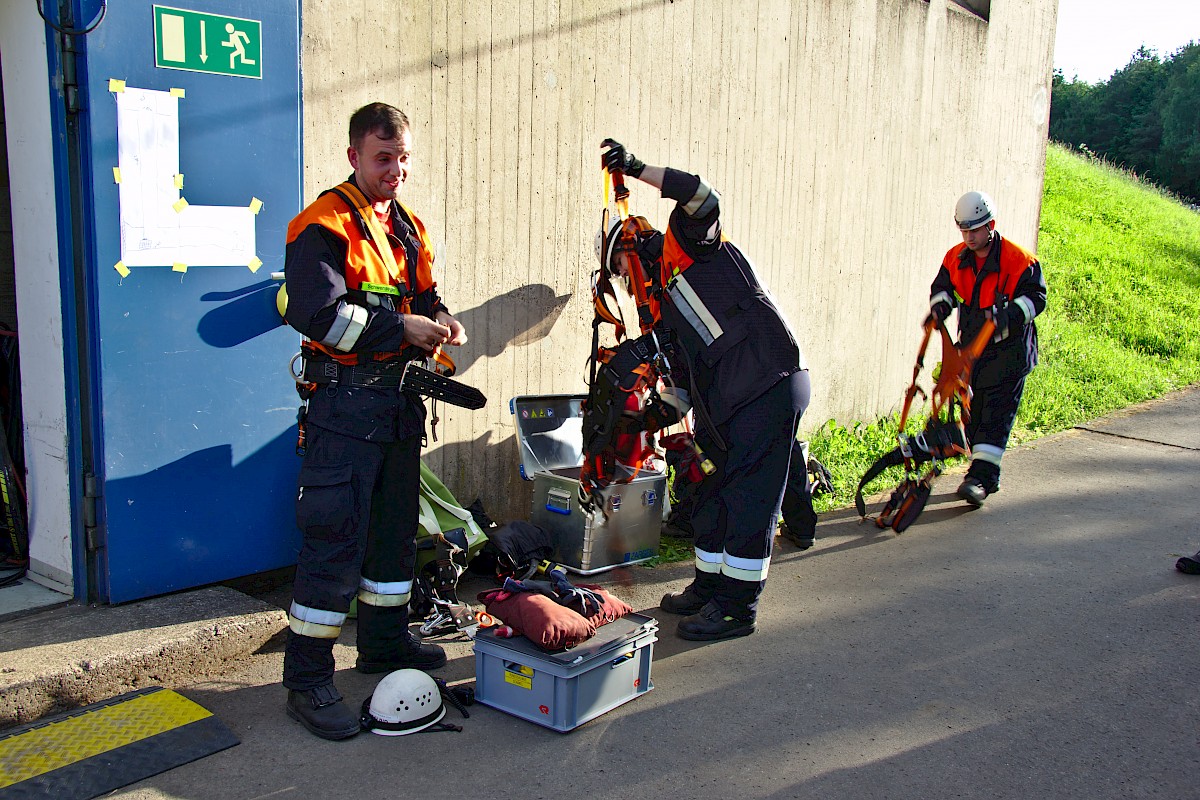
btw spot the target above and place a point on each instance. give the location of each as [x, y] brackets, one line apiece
[357, 507]
[737, 507]
[993, 412]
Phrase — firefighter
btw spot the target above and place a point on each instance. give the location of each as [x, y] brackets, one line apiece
[989, 277]
[748, 382]
[358, 268]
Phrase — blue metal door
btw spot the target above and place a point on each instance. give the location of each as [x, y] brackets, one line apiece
[192, 172]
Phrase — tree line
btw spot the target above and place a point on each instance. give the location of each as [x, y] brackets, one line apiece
[1146, 117]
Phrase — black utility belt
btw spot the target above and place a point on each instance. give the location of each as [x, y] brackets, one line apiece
[374, 375]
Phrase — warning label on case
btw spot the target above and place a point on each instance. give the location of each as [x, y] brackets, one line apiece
[519, 676]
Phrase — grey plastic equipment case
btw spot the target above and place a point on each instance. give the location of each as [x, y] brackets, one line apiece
[550, 440]
[565, 689]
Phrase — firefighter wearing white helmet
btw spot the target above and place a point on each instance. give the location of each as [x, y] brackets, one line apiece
[973, 210]
[989, 277]
[746, 378]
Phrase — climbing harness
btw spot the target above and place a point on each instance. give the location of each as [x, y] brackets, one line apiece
[942, 437]
[628, 384]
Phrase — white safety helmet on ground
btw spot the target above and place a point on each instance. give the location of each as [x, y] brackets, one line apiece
[406, 701]
[974, 210]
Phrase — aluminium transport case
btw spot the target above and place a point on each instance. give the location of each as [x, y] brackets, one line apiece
[550, 440]
[564, 689]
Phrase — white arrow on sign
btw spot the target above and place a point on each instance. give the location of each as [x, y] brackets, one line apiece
[203, 44]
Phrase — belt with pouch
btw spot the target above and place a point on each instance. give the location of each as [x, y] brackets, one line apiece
[406, 375]
[372, 375]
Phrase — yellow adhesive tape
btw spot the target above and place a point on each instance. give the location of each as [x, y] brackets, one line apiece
[255, 205]
[254, 264]
[121, 269]
[179, 205]
[179, 181]
[177, 93]
[116, 174]
[177, 267]
[116, 85]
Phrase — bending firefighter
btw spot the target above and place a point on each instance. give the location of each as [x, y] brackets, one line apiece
[988, 277]
[734, 353]
[360, 289]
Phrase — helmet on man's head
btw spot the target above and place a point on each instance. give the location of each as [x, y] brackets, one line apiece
[974, 210]
[406, 701]
[634, 237]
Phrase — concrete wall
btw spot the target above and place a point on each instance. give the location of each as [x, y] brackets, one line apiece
[839, 132]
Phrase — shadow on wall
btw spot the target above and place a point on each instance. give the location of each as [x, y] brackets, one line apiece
[516, 318]
[504, 495]
[241, 315]
[203, 518]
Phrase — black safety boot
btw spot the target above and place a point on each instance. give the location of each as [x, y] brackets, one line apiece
[972, 491]
[687, 602]
[803, 541]
[711, 624]
[322, 711]
[411, 653]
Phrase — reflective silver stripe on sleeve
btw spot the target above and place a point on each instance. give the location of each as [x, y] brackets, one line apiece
[1026, 306]
[753, 570]
[941, 297]
[694, 311]
[708, 562]
[703, 201]
[346, 328]
[314, 622]
[989, 453]
[391, 593]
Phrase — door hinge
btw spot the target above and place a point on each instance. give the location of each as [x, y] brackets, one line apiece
[93, 532]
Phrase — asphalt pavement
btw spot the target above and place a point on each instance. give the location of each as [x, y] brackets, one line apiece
[1043, 646]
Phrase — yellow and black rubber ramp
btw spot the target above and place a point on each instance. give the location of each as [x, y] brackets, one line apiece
[93, 750]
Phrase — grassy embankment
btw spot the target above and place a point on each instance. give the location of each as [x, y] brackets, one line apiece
[1122, 322]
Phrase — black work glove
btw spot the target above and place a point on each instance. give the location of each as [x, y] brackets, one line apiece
[938, 313]
[618, 159]
[1008, 318]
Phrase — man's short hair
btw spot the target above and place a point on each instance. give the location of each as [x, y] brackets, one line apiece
[388, 122]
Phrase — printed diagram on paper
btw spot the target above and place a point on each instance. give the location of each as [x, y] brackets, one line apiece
[159, 228]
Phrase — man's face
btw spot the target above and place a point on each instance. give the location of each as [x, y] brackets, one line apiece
[381, 166]
[621, 261]
[978, 240]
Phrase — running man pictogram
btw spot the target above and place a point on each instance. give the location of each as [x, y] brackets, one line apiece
[237, 40]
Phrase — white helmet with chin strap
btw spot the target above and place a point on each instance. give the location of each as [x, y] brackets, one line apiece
[406, 701]
[974, 210]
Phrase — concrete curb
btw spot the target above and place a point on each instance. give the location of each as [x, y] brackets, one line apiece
[75, 655]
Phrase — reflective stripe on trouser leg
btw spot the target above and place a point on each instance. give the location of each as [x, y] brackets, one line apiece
[387, 570]
[748, 490]
[987, 452]
[332, 508]
[993, 412]
[315, 622]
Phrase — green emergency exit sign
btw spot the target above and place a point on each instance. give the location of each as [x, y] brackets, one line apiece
[199, 42]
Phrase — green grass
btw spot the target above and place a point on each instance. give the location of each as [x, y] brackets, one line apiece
[1122, 320]
[1121, 325]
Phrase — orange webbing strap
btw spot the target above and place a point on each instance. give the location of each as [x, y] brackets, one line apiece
[914, 389]
[360, 204]
[954, 381]
[443, 364]
[621, 193]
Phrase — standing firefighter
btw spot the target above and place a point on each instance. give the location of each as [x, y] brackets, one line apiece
[735, 355]
[988, 277]
[361, 291]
